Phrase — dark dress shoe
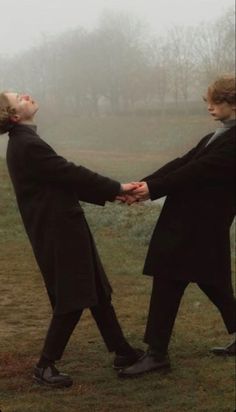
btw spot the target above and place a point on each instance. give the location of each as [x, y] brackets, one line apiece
[123, 361]
[229, 350]
[50, 376]
[148, 363]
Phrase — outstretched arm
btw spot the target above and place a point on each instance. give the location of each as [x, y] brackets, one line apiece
[176, 163]
[46, 166]
[215, 168]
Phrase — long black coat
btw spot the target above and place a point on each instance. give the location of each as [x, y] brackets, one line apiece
[48, 189]
[191, 239]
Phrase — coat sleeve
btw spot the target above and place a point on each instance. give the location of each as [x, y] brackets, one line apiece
[47, 166]
[176, 163]
[214, 168]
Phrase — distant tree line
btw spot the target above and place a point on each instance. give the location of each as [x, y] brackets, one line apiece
[120, 67]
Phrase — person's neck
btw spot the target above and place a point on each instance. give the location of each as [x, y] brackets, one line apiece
[28, 123]
[31, 125]
[230, 121]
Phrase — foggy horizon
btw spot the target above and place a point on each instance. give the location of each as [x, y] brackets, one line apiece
[28, 23]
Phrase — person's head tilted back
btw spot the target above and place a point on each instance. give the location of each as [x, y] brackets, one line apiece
[16, 108]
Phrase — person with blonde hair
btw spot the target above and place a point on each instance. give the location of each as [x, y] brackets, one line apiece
[48, 189]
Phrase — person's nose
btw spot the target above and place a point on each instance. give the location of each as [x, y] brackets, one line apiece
[210, 107]
[25, 97]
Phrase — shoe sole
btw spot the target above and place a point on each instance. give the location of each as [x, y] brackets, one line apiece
[162, 368]
[52, 385]
[223, 354]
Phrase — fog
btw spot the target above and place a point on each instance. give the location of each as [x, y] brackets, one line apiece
[25, 23]
[112, 72]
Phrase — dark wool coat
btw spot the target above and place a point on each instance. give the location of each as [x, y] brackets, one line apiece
[48, 189]
[191, 239]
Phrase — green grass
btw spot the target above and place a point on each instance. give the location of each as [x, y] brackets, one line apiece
[198, 381]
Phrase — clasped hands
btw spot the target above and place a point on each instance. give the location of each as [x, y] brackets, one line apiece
[133, 192]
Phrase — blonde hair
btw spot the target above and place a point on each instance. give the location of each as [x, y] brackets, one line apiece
[222, 90]
[6, 111]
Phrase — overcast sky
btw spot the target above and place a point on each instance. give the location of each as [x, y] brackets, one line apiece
[25, 22]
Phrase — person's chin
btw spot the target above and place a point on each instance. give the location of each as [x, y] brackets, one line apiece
[215, 117]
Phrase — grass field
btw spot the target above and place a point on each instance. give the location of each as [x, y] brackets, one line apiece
[198, 381]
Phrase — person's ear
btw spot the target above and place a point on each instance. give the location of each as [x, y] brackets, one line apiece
[15, 118]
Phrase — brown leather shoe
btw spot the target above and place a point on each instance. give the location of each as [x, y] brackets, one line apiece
[148, 363]
[50, 376]
[229, 350]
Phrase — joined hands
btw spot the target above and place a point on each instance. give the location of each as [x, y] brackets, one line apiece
[133, 192]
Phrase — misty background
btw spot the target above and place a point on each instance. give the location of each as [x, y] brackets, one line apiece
[113, 75]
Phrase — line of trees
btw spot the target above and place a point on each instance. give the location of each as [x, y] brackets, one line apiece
[119, 66]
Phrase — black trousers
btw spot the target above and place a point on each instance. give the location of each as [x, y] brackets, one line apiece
[62, 326]
[165, 300]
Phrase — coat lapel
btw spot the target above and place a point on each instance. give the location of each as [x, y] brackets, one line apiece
[204, 148]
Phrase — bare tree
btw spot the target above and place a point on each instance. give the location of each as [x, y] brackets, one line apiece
[120, 64]
[119, 42]
[215, 47]
[182, 62]
[159, 71]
